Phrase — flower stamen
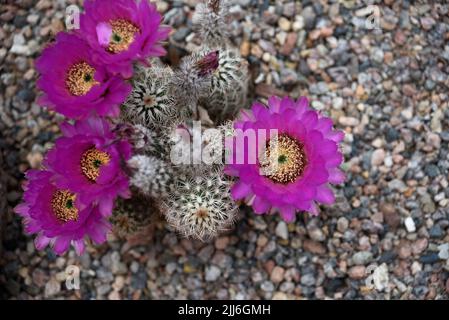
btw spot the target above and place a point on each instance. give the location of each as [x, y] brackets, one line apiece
[290, 161]
[63, 205]
[80, 79]
[91, 162]
[123, 32]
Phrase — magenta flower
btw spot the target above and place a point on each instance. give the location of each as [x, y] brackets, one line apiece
[122, 31]
[88, 160]
[74, 85]
[306, 161]
[58, 216]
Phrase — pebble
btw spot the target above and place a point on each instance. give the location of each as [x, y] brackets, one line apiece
[267, 286]
[348, 121]
[381, 278]
[212, 273]
[221, 243]
[390, 215]
[277, 274]
[378, 157]
[429, 258]
[308, 280]
[284, 24]
[357, 272]
[342, 224]
[52, 288]
[410, 224]
[282, 230]
[316, 234]
[443, 251]
[436, 232]
[362, 257]
[314, 247]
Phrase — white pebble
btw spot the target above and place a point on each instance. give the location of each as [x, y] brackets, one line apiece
[443, 251]
[410, 224]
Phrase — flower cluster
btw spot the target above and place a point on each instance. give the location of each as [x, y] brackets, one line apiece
[73, 196]
[116, 166]
[83, 76]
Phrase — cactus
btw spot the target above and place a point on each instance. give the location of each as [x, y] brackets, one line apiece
[199, 205]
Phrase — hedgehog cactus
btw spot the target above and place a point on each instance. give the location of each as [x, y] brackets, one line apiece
[152, 176]
[200, 205]
[210, 21]
[131, 216]
[150, 103]
[229, 86]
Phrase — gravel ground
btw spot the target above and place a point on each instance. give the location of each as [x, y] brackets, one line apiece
[387, 88]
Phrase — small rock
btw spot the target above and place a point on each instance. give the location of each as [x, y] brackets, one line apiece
[405, 250]
[290, 44]
[52, 288]
[316, 234]
[348, 121]
[212, 273]
[380, 277]
[314, 247]
[436, 232]
[429, 258]
[308, 280]
[342, 224]
[420, 245]
[288, 77]
[221, 243]
[279, 296]
[443, 251]
[362, 257]
[410, 224]
[427, 23]
[277, 274]
[267, 286]
[378, 157]
[432, 170]
[390, 214]
[309, 17]
[357, 272]
[284, 24]
[282, 230]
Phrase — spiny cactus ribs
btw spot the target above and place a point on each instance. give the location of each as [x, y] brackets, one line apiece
[200, 205]
[215, 78]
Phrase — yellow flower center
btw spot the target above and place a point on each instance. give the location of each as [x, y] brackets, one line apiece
[288, 161]
[63, 205]
[91, 162]
[80, 79]
[122, 36]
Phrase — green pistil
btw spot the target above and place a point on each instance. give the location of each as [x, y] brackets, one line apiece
[69, 204]
[116, 38]
[97, 163]
[282, 158]
[88, 78]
